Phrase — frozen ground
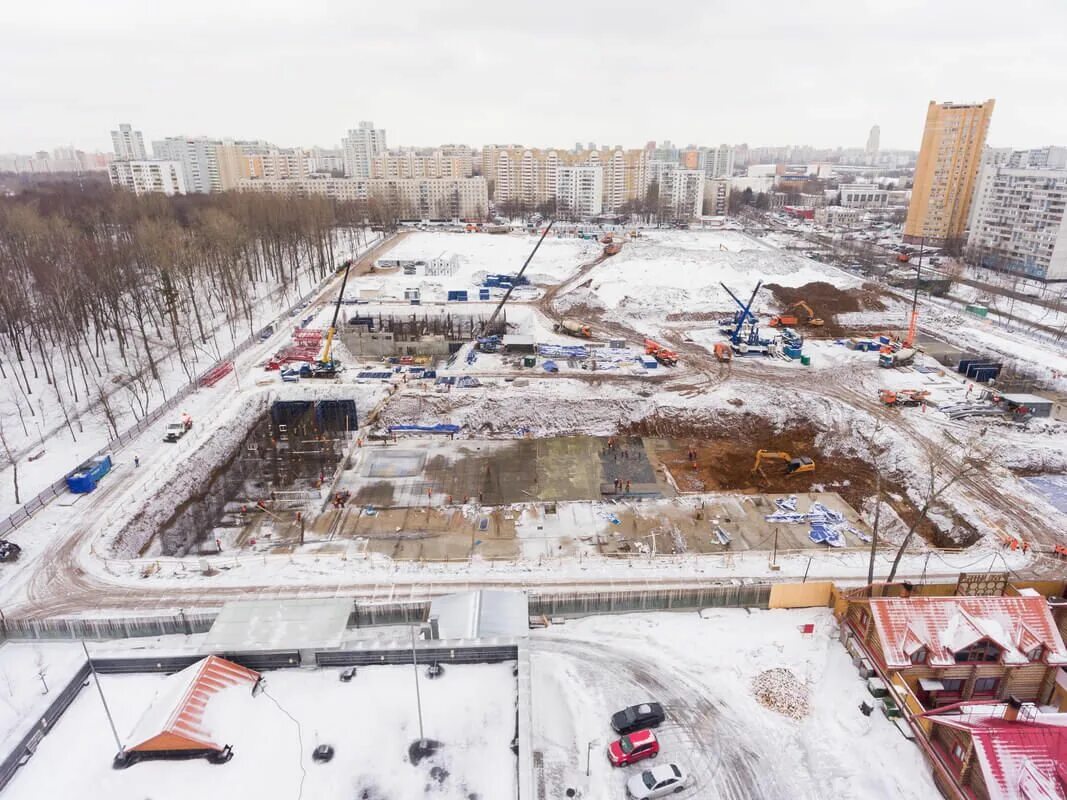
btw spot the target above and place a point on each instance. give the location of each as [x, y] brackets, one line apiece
[370, 722]
[479, 254]
[31, 674]
[663, 272]
[701, 667]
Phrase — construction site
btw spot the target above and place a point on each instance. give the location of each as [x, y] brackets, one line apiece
[616, 401]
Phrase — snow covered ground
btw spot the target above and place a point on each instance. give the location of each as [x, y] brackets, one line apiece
[479, 254]
[370, 721]
[664, 272]
[31, 675]
[702, 667]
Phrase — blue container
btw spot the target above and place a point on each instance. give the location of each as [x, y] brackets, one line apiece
[483, 294]
[84, 479]
[792, 352]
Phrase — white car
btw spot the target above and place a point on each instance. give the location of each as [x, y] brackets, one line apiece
[657, 782]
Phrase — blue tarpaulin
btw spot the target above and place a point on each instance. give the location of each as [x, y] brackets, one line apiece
[550, 366]
[563, 351]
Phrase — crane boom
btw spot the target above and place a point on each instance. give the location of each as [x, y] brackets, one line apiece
[336, 311]
[745, 310]
[496, 312]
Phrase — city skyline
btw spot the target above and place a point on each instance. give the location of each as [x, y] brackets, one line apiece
[707, 75]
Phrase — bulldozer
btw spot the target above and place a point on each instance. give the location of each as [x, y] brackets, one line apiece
[793, 466]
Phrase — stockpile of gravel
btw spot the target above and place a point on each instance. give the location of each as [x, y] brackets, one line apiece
[780, 690]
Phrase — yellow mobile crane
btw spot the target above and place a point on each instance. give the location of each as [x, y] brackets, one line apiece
[327, 366]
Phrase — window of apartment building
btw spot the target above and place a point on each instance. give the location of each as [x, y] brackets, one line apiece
[951, 686]
[958, 751]
[981, 651]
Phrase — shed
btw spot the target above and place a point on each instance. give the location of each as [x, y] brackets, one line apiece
[482, 614]
[517, 343]
[1036, 405]
[174, 726]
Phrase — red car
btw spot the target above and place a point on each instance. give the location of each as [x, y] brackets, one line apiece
[632, 748]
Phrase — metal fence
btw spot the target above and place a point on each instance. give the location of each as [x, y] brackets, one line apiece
[750, 595]
[47, 495]
[97, 629]
[425, 653]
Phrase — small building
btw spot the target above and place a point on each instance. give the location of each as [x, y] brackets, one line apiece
[1028, 403]
[943, 650]
[518, 343]
[174, 725]
[1003, 752]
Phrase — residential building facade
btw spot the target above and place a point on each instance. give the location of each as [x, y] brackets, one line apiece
[1018, 220]
[403, 198]
[445, 162]
[128, 144]
[716, 196]
[717, 162]
[147, 177]
[360, 147]
[199, 159]
[681, 194]
[863, 195]
[946, 171]
[579, 191]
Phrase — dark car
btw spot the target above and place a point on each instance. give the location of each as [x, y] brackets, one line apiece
[634, 718]
[9, 551]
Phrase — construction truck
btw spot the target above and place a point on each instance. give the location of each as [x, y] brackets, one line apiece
[783, 321]
[663, 355]
[789, 320]
[903, 397]
[896, 358]
[793, 466]
[176, 430]
[574, 328]
[723, 351]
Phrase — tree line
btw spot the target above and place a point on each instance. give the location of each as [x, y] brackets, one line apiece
[101, 285]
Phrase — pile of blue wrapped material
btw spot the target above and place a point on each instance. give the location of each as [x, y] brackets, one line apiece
[827, 526]
[467, 382]
[472, 356]
[563, 351]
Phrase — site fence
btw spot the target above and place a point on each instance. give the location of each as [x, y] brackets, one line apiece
[752, 595]
[98, 629]
[47, 495]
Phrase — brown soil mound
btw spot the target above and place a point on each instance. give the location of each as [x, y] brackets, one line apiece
[827, 300]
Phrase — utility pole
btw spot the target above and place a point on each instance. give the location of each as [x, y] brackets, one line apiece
[96, 679]
[418, 695]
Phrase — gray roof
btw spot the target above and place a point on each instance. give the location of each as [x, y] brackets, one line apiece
[483, 614]
[1027, 399]
[296, 624]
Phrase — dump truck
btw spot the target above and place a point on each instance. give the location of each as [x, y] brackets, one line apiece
[574, 328]
[176, 430]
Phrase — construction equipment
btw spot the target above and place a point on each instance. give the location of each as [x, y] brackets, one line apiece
[518, 277]
[903, 397]
[574, 328]
[326, 366]
[783, 321]
[663, 355]
[793, 466]
[896, 357]
[723, 351]
[751, 344]
[811, 319]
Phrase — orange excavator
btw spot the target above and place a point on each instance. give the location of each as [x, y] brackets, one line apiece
[666, 357]
[903, 397]
[788, 320]
[793, 466]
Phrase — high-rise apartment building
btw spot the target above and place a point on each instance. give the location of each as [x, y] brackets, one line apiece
[716, 196]
[579, 191]
[360, 147]
[681, 194]
[146, 177]
[239, 160]
[128, 143]
[198, 156]
[1017, 224]
[450, 161]
[717, 162]
[874, 141]
[946, 172]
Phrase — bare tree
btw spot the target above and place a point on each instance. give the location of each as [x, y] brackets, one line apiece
[944, 470]
[12, 457]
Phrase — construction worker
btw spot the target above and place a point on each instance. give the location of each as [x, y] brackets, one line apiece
[136, 462]
[627, 487]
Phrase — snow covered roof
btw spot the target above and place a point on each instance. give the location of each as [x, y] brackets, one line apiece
[946, 625]
[1020, 759]
[174, 720]
[298, 624]
[481, 614]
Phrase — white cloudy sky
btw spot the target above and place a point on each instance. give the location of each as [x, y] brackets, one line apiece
[539, 73]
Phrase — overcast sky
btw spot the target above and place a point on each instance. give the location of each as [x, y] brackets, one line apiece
[550, 73]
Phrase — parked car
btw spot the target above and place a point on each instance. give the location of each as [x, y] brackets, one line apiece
[657, 782]
[9, 551]
[632, 748]
[634, 718]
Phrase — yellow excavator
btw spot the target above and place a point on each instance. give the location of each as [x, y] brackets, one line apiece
[793, 466]
[812, 319]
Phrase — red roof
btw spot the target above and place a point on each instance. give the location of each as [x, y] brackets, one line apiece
[946, 625]
[1020, 760]
[175, 718]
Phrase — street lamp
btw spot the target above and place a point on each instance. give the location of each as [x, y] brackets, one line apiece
[589, 754]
